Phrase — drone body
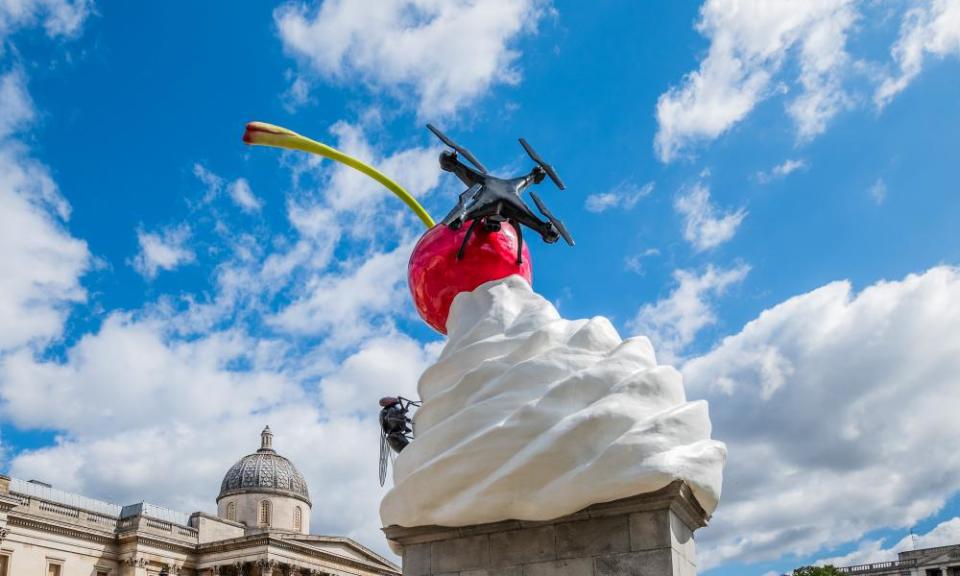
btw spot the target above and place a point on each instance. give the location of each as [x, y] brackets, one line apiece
[490, 200]
[481, 238]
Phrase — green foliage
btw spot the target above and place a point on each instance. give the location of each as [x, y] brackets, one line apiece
[816, 571]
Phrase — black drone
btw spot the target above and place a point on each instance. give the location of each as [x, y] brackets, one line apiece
[490, 201]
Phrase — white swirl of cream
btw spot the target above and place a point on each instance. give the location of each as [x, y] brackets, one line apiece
[529, 416]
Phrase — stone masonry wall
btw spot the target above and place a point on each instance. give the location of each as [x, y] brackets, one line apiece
[647, 535]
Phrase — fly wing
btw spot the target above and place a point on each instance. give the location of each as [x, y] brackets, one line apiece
[384, 457]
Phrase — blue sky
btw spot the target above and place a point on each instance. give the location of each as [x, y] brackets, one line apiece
[765, 189]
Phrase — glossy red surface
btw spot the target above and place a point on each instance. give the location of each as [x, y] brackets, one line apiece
[436, 276]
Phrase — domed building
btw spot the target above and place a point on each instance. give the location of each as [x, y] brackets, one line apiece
[262, 528]
[265, 490]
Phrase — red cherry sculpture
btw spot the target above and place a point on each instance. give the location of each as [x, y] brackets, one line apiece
[436, 275]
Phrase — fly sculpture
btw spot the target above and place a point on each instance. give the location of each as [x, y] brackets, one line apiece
[395, 430]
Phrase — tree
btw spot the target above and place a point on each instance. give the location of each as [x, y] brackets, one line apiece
[817, 571]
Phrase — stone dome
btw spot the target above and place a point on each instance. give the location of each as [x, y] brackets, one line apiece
[264, 472]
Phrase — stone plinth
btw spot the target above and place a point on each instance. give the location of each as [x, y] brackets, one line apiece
[646, 535]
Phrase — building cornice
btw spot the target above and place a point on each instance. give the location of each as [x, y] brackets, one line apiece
[320, 539]
[265, 491]
[53, 527]
[156, 542]
[273, 541]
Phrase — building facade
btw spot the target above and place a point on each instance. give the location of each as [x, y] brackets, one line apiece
[939, 561]
[262, 528]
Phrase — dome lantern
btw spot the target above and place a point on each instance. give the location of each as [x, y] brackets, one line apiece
[266, 440]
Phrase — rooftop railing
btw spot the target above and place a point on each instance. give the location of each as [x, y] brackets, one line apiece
[83, 510]
[878, 567]
[49, 494]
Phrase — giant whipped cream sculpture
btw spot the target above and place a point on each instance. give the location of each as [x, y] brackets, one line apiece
[529, 416]
[525, 415]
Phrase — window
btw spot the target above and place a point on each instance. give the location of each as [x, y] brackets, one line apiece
[264, 513]
[53, 568]
[3, 565]
[298, 519]
[232, 511]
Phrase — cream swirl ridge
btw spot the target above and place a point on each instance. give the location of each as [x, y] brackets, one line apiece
[529, 416]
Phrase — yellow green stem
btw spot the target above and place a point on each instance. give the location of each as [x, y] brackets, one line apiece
[263, 134]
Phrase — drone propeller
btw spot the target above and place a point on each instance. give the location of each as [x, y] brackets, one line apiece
[546, 167]
[553, 219]
[463, 151]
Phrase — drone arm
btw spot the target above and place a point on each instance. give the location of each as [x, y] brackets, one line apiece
[466, 174]
[530, 220]
[534, 177]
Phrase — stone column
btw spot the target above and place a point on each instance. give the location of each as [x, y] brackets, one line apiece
[134, 566]
[645, 535]
[7, 503]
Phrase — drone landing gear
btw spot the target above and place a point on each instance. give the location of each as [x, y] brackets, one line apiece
[466, 238]
[519, 230]
[491, 226]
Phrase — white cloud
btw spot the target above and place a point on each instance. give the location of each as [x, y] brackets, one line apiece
[386, 366]
[749, 43]
[238, 190]
[162, 250]
[297, 94]
[634, 262]
[58, 17]
[704, 226]
[931, 27]
[756, 45]
[854, 395]
[446, 53]
[782, 170]
[878, 191]
[17, 110]
[345, 307]
[243, 195]
[626, 194]
[133, 362]
[672, 323]
[42, 263]
[601, 202]
[212, 182]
